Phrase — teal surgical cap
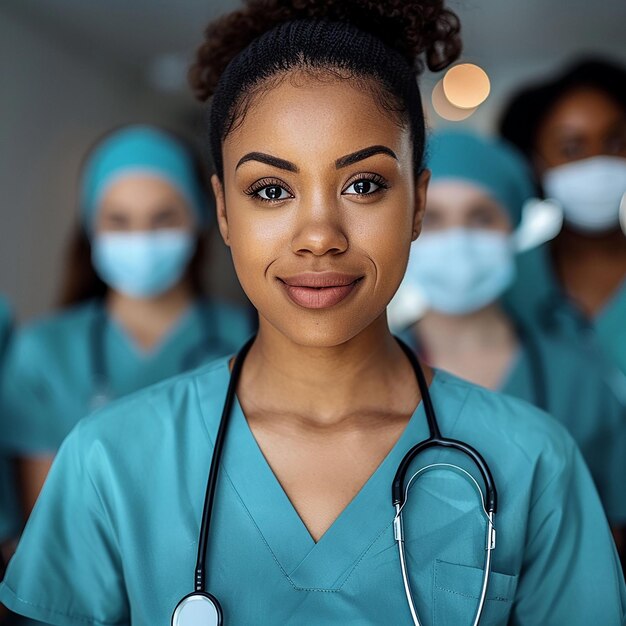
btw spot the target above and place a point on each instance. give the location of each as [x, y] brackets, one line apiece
[489, 163]
[140, 150]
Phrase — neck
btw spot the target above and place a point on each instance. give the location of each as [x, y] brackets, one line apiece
[326, 385]
[445, 334]
[147, 320]
[578, 245]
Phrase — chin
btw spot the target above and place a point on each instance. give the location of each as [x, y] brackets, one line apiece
[327, 331]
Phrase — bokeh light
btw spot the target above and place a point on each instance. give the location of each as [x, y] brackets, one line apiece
[466, 86]
[445, 109]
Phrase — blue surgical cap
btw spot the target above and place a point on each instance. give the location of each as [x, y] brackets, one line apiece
[489, 163]
[140, 150]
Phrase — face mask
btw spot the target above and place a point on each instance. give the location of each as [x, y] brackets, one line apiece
[142, 264]
[461, 270]
[590, 192]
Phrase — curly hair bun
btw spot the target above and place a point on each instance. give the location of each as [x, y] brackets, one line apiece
[413, 28]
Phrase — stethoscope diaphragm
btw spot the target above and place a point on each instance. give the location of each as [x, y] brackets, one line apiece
[198, 609]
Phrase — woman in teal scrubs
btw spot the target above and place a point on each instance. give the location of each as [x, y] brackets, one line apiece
[317, 136]
[572, 129]
[462, 264]
[134, 312]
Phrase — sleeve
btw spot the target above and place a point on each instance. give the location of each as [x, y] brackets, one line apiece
[26, 396]
[571, 573]
[67, 569]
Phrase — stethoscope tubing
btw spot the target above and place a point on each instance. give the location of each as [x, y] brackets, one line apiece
[489, 500]
[436, 440]
[209, 498]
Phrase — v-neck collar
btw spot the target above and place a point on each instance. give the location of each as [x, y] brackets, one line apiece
[139, 354]
[324, 565]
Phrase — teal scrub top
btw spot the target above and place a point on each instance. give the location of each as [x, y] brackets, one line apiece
[113, 537]
[579, 397]
[568, 383]
[52, 376]
[539, 299]
[10, 518]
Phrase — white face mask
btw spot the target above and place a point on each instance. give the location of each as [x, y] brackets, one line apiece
[590, 192]
[460, 270]
[142, 264]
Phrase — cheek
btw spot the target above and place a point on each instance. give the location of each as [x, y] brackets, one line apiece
[384, 235]
[256, 240]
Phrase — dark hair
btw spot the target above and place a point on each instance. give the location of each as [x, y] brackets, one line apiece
[529, 107]
[80, 280]
[378, 44]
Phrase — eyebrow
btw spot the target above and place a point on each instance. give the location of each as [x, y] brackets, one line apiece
[343, 161]
[268, 159]
[365, 153]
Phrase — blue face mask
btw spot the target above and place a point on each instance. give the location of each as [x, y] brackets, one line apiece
[460, 270]
[142, 264]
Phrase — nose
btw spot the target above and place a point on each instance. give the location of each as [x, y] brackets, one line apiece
[319, 231]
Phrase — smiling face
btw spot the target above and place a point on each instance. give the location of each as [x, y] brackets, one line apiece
[319, 204]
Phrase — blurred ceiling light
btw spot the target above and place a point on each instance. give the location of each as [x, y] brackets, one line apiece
[168, 72]
[444, 108]
[466, 86]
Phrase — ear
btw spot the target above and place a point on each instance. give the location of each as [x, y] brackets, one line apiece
[220, 207]
[421, 187]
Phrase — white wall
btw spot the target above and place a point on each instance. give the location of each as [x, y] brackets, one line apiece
[54, 101]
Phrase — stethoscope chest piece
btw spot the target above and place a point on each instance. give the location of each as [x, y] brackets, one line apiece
[198, 609]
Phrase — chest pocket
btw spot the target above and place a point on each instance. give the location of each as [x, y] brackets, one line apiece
[456, 592]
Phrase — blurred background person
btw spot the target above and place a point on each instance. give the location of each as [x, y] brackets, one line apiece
[461, 264]
[133, 309]
[572, 129]
[9, 508]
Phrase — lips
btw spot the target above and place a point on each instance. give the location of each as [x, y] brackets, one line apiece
[319, 290]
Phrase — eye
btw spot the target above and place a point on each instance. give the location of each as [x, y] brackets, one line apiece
[269, 191]
[484, 217]
[365, 186]
[616, 144]
[273, 192]
[572, 149]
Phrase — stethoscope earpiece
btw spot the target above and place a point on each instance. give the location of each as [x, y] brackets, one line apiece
[198, 609]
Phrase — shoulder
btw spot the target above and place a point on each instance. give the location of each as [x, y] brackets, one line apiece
[6, 323]
[569, 365]
[160, 414]
[58, 328]
[509, 430]
[6, 313]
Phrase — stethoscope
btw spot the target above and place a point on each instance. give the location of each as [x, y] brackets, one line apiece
[103, 394]
[200, 608]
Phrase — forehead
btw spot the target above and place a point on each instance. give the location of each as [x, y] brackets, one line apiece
[139, 190]
[449, 190]
[303, 116]
[587, 106]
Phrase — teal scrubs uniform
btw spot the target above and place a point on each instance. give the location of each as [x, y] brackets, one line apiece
[576, 394]
[53, 381]
[539, 299]
[114, 535]
[568, 383]
[9, 508]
